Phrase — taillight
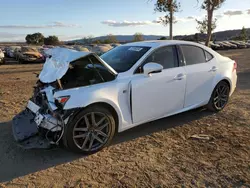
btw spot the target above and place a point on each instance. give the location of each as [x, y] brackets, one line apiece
[62, 100]
[235, 66]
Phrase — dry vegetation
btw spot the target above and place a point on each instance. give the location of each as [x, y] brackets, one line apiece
[157, 154]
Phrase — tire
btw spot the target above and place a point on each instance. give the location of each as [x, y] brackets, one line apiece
[79, 136]
[219, 97]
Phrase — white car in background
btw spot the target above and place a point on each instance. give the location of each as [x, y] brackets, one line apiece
[1, 57]
[82, 99]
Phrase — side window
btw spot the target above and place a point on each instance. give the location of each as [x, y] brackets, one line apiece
[208, 56]
[166, 56]
[193, 55]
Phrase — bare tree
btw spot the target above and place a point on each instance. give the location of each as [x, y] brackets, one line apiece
[169, 7]
[210, 6]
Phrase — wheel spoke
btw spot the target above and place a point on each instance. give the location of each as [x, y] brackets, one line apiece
[102, 127]
[226, 91]
[101, 120]
[220, 103]
[91, 142]
[101, 133]
[80, 129]
[86, 121]
[222, 90]
[217, 92]
[223, 99]
[98, 139]
[216, 99]
[85, 141]
[93, 118]
[81, 135]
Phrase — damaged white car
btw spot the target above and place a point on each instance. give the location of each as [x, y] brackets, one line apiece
[82, 100]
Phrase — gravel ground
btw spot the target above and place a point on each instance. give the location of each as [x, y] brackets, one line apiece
[156, 154]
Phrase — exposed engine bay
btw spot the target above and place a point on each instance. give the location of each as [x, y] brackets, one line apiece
[43, 122]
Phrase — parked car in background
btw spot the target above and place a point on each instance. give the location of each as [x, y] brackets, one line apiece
[239, 44]
[232, 46]
[247, 44]
[215, 46]
[81, 48]
[1, 57]
[10, 51]
[17, 52]
[223, 45]
[82, 99]
[29, 54]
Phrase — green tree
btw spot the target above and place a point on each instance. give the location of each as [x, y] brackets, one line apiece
[202, 26]
[243, 34]
[138, 37]
[51, 40]
[35, 38]
[210, 6]
[163, 38]
[169, 7]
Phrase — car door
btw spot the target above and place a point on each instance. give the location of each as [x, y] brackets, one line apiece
[200, 71]
[158, 94]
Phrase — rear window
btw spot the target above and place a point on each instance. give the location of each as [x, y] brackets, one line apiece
[193, 54]
[122, 58]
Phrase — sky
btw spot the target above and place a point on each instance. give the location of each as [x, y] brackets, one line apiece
[75, 19]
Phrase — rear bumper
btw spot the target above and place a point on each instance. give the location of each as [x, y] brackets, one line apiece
[234, 83]
[26, 133]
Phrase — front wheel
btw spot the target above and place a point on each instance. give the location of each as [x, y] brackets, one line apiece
[219, 97]
[90, 131]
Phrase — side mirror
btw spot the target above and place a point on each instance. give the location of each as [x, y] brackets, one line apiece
[152, 68]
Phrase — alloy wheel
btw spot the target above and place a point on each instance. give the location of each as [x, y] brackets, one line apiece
[221, 96]
[91, 131]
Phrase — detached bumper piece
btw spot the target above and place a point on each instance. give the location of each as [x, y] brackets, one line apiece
[25, 131]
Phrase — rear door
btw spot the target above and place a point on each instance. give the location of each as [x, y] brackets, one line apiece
[200, 71]
[160, 93]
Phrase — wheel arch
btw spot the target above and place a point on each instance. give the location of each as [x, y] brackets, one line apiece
[225, 79]
[110, 107]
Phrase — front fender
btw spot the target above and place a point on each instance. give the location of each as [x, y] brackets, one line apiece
[85, 96]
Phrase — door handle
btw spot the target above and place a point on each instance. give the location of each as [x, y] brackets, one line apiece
[180, 77]
[213, 69]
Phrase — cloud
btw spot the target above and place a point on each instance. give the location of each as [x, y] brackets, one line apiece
[70, 37]
[218, 16]
[233, 12]
[52, 25]
[185, 19]
[126, 23]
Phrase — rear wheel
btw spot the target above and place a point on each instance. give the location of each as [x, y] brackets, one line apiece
[220, 97]
[91, 130]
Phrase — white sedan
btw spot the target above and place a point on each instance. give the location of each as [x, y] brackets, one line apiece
[82, 99]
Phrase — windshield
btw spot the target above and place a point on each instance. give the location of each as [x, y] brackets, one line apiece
[122, 58]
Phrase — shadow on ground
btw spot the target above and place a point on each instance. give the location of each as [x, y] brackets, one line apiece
[16, 162]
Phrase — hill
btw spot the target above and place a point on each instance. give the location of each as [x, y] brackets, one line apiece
[221, 35]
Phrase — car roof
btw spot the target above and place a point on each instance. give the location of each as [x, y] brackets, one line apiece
[159, 43]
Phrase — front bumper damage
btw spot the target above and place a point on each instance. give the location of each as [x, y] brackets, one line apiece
[39, 125]
[26, 131]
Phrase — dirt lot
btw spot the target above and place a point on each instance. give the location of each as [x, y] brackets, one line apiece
[156, 154]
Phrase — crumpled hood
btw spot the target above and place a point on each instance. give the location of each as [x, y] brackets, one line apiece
[55, 67]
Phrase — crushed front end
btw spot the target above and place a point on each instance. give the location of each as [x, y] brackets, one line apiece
[41, 124]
